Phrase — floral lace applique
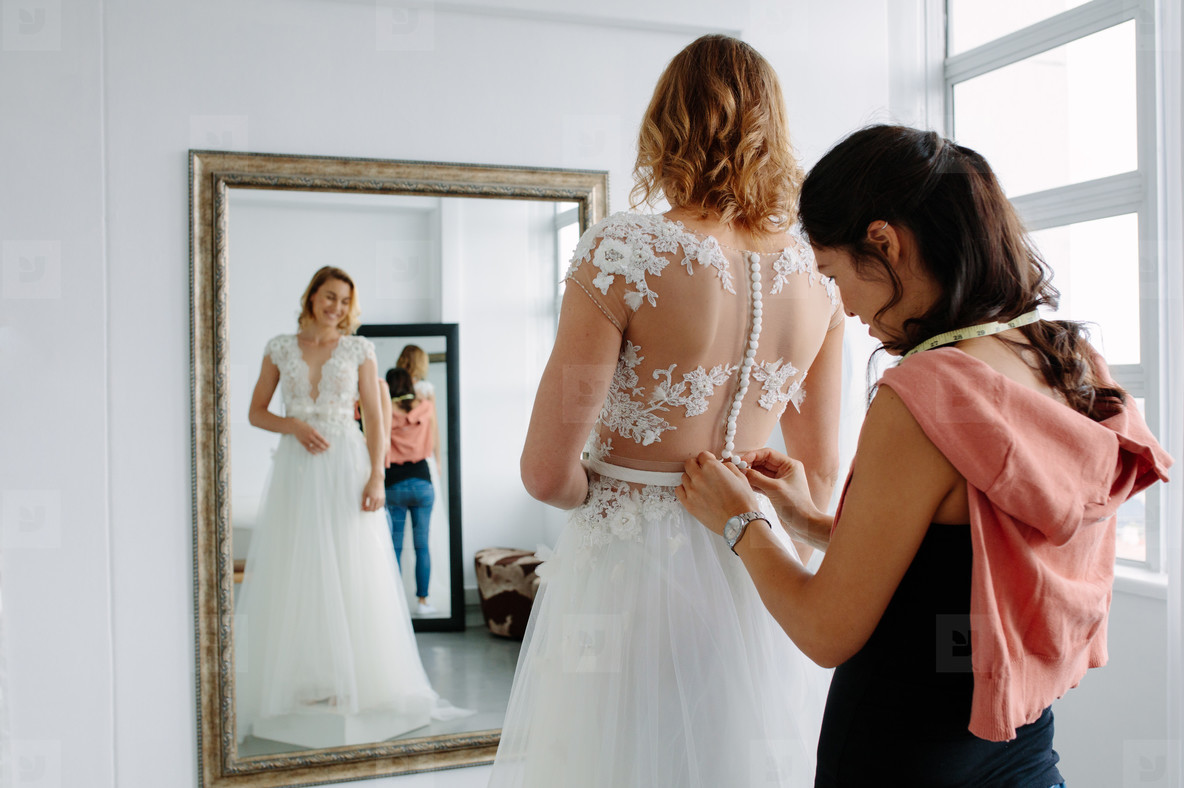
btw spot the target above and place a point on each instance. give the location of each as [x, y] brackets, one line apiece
[788, 263]
[338, 387]
[630, 245]
[597, 448]
[794, 259]
[774, 375]
[625, 415]
[285, 354]
[614, 510]
[706, 252]
[642, 422]
[701, 382]
[633, 261]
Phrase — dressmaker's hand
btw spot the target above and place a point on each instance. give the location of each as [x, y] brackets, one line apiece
[712, 491]
[374, 495]
[309, 438]
[783, 479]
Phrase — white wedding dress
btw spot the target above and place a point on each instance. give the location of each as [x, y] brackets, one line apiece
[324, 647]
[649, 660]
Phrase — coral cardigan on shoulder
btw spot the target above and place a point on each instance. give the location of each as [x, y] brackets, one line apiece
[1044, 483]
[412, 438]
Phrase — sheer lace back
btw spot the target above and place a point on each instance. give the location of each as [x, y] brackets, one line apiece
[690, 312]
[333, 405]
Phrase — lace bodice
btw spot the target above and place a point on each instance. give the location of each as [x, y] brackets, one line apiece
[691, 374]
[338, 388]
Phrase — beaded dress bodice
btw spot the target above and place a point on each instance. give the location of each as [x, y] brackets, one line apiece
[715, 341]
[333, 406]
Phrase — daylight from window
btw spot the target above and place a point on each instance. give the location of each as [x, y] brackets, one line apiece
[1052, 123]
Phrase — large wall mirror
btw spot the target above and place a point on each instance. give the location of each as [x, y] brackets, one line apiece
[458, 261]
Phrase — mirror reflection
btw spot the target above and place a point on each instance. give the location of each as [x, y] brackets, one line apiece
[415, 371]
[326, 652]
[350, 618]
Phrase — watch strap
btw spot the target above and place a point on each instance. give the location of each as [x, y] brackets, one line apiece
[744, 519]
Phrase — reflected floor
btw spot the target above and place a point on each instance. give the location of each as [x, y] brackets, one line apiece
[471, 669]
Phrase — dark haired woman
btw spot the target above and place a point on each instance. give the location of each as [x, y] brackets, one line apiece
[967, 574]
[321, 607]
[649, 659]
[409, 490]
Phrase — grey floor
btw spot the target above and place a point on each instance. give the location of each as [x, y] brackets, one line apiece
[471, 670]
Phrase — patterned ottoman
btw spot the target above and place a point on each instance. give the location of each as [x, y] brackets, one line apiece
[507, 584]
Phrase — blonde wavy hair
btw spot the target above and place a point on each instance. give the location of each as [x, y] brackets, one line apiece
[353, 316]
[415, 360]
[715, 138]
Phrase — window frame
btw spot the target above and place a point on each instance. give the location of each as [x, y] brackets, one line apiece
[1136, 192]
[563, 219]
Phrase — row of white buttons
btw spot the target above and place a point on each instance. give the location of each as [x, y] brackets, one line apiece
[754, 265]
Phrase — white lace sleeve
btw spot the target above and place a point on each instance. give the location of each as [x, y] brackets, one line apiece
[279, 349]
[363, 350]
[600, 266]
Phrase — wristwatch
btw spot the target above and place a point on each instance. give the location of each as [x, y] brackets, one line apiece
[734, 527]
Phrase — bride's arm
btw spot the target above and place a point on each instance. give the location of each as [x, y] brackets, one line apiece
[571, 393]
[435, 435]
[812, 434]
[374, 494]
[384, 399]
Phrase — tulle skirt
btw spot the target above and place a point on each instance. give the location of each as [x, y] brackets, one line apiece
[650, 661]
[321, 622]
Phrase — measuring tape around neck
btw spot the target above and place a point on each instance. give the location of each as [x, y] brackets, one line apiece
[983, 330]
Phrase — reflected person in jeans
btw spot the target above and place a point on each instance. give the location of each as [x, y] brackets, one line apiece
[408, 478]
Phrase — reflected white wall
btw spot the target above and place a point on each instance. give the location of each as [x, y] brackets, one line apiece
[507, 256]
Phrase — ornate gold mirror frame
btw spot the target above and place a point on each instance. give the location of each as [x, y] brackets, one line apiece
[211, 175]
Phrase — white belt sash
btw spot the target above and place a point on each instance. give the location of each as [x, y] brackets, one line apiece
[633, 475]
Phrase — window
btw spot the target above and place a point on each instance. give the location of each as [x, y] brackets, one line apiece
[567, 235]
[1060, 97]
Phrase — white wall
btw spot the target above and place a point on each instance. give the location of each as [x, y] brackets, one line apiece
[97, 566]
[55, 350]
[1113, 726]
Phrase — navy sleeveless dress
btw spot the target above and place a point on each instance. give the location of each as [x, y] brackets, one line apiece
[898, 711]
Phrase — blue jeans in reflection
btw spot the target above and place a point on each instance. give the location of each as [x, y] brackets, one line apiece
[414, 497]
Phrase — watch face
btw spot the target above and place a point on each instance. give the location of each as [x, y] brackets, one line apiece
[732, 528]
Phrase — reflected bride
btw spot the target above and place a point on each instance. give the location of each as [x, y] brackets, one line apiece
[325, 651]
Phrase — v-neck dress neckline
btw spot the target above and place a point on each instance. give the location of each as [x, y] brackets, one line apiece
[308, 369]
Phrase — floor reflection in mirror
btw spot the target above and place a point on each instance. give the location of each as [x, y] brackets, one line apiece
[472, 669]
